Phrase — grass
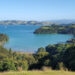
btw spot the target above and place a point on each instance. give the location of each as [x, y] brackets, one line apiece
[39, 73]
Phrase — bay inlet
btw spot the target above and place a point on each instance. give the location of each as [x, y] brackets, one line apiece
[22, 38]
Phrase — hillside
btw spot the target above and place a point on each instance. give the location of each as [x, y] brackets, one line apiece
[50, 22]
[56, 29]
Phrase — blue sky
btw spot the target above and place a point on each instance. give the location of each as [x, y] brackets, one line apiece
[37, 9]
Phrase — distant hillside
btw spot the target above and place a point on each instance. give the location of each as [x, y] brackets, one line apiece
[62, 21]
[20, 22]
[56, 29]
[17, 22]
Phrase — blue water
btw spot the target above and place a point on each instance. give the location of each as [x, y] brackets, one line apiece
[21, 38]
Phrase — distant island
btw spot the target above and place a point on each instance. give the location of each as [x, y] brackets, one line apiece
[16, 22]
[20, 22]
[45, 23]
[70, 29]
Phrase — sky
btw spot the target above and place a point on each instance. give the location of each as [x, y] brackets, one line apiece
[37, 9]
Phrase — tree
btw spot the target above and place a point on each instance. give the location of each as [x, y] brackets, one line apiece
[8, 65]
[69, 58]
[51, 49]
[21, 65]
[41, 49]
[3, 39]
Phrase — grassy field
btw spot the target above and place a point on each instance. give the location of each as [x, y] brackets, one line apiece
[39, 73]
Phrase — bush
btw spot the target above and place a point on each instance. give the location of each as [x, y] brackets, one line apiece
[8, 65]
[22, 65]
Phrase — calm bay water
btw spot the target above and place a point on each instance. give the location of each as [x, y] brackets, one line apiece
[21, 37]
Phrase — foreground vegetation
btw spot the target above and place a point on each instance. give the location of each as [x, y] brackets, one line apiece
[55, 57]
[39, 73]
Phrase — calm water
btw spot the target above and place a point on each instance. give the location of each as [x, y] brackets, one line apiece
[21, 38]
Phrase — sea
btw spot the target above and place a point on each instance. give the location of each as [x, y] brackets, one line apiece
[22, 38]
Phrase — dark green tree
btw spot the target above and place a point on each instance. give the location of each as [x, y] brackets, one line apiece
[69, 58]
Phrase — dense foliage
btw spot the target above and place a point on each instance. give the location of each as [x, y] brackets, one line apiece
[69, 58]
[54, 56]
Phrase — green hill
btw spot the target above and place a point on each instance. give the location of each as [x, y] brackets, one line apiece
[56, 29]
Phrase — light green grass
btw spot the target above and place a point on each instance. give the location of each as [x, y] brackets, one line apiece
[39, 73]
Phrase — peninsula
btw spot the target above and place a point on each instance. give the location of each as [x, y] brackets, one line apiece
[69, 29]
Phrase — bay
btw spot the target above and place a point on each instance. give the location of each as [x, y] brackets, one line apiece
[22, 38]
